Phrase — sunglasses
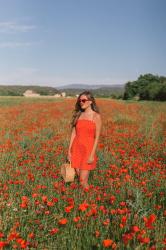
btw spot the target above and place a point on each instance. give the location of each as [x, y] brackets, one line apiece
[83, 100]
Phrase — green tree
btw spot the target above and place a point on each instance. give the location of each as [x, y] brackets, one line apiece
[146, 87]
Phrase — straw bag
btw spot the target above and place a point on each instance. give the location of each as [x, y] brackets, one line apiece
[67, 172]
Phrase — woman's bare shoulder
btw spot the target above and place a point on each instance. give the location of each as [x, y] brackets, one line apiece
[97, 117]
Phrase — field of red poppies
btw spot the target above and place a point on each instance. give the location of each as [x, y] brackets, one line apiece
[124, 208]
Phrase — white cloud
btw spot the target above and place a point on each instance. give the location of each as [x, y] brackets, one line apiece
[12, 27]
[18, 44]
[15, 44]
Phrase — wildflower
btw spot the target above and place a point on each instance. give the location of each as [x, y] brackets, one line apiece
[31, 235]
[54, 231]
[76, 219]
[68, 209]
[23, 205]
[83, 207]
[153, 248]
[135, 229]
[122, 203]
[63, 221]
[24, 199]
[106, 222]
[127, 237]
[44, 198]
[149, 221]
[107, 243]
[86, 189]
[112, 199]
[50, 204]
[93, 212]
[1, 235]
[97, 234]
[37, 202]
[144, 240]
[34, 195]
[114, 245]
[112, 211]
[13, 235]
[158, 207]
[22, 242]
[54, 199]
[70, 201]
[56, 185]
[164, 241]
[3, 244]
[123, 221]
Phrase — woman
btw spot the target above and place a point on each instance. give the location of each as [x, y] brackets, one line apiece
[86, 127]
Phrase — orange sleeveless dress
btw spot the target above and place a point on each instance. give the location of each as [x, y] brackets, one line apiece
[82, 145]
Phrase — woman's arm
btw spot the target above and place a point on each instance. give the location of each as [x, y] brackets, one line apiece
[73, 134]
[98, 131]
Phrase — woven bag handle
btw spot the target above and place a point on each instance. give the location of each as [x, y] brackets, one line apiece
[68, 161]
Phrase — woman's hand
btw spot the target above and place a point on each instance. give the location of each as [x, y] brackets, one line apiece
[69, 156]
[90, 159]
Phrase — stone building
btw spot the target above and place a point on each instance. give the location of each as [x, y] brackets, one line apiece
[30, 93]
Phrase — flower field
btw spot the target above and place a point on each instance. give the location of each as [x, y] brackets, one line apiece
[124, 207]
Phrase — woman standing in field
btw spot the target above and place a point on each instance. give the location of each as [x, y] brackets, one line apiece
[86, 127]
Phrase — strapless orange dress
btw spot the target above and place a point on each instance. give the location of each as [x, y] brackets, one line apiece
[83, 144]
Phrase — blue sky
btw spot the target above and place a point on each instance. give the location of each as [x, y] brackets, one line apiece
[58, 42]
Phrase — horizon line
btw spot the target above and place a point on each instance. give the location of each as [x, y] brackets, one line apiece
[64, 84]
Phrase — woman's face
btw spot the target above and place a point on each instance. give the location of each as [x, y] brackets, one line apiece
[84, 102]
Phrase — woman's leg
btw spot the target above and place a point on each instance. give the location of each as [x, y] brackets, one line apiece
[77, 171]
[84, 174]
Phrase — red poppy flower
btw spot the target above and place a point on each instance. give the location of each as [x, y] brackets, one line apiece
[107, 242]
[63, 221]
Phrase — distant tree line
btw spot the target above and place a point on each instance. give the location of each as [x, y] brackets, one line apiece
[17, 90]
[147, 87]
[115, 92]
[107, 92]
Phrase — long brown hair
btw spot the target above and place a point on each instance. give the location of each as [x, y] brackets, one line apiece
[77, 111]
